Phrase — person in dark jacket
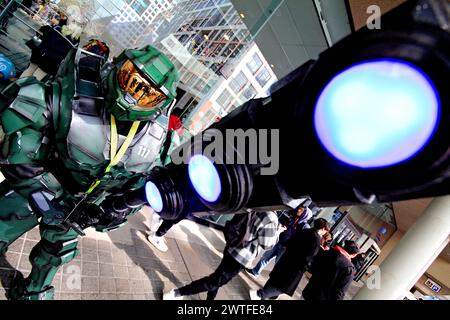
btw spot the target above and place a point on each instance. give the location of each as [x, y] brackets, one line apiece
[332, 273]
[287, 273]
[300, 220]
[54, 47]
[236, 257]
[326, 241]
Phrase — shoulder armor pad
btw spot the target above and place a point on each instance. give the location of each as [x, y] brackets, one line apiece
[10, 92]
[163, 120]
[28, 107]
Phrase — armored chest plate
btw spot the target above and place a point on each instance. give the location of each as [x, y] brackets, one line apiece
[88, 143]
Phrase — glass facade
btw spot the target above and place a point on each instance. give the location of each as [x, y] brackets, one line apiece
[255, 63]
[207, 41]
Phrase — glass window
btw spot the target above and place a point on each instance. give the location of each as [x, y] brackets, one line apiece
[249, 92]
[225, 98]
[238, 82]
[255, 63]
[263, 77]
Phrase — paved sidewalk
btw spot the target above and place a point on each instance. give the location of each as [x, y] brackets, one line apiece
[122, 264]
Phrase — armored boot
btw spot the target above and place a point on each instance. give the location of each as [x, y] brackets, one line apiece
[19, 291]
[16, 217]
[56, 248]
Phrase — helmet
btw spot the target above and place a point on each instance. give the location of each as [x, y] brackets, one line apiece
[7, 69]
[140, 84]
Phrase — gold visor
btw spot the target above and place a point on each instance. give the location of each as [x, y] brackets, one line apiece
[137, 86]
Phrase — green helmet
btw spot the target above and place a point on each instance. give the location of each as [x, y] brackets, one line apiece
[140, 84]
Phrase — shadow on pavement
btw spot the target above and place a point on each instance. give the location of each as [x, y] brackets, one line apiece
[154, 268]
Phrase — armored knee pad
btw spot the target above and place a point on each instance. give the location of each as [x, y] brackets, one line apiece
[54, 254]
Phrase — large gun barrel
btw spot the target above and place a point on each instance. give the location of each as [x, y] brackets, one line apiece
[367, 122]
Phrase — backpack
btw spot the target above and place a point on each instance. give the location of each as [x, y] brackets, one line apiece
[238, 230]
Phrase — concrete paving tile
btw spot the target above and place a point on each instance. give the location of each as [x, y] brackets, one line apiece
[104, 257]
[130, 251]
[107, 296]
[16, 246]
[121, 236]
[88, 243]
[71, 283]
[160, 286]
[106, 270]
[28, 245]
[144, 252]
[120, 272]
[136, 286]
[90, 269]
[153, 296]
[119, 258]
[122, 285]
[104, 245]
[147, 286]
[107, 285]
[33, 234]
[89, 255]
[70, 296]
[72, 267]
[144, 262]
[183, 276]
[24, 263]
[89, 285]
[136, 272]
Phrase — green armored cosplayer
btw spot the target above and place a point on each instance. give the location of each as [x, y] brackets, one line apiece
[70, 146]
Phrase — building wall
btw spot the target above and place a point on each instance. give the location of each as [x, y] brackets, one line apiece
[213, 39]
[213, 108]
[387, 248]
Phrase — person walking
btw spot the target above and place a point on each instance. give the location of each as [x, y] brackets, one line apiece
[262, 233]
[332, 273]
[299, 221]
[51, 51]
[156, 237]
[287, 273]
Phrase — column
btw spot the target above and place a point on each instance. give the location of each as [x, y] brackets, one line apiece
[413, 254]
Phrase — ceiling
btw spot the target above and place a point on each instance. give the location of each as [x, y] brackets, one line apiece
[291, 32]
[407, 212]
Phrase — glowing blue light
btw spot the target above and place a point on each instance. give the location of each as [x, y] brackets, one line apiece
[153, 195]
[377, 113]
[205, 178]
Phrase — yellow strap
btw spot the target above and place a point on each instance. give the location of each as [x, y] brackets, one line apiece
[93, 186]
[114, 138]
[116, 157]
